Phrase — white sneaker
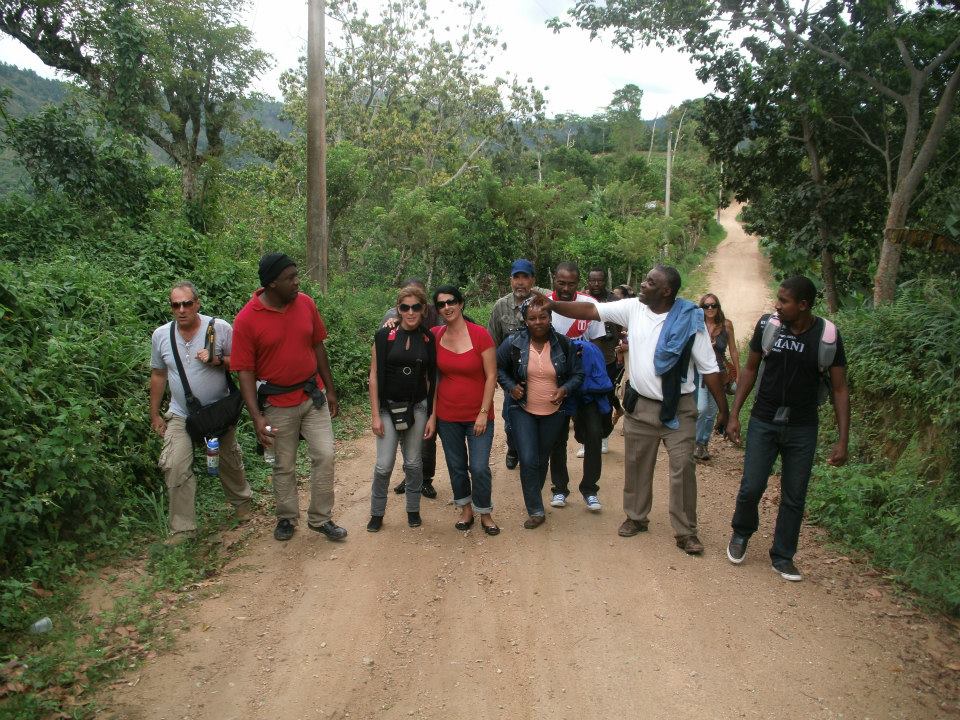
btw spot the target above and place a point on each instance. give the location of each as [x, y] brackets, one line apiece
[581, 452]
[593, 503]
[605, 446]
[558, 501]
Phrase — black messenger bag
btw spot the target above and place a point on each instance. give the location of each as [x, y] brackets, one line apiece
[215, 419]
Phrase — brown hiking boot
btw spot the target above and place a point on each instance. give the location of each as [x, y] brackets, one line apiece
[244, 511]
[690, 544]
[629, 528]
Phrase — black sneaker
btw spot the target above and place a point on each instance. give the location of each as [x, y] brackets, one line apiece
[787, 570]
[428, 490]
[283, 531]
[401, 487]
[511, 460]
[331, 530]
[376, 522]
[414, 520]
[737, 549]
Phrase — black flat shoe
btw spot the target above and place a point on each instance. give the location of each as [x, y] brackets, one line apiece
[465, 525]
[428, 491]
[376, 522]
[490, 529]
[414, 520]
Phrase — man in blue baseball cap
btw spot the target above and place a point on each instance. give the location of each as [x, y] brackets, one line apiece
[505, 319]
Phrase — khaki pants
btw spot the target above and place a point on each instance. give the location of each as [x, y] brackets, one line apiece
[176, 461]
[643, 433]
[314, 424]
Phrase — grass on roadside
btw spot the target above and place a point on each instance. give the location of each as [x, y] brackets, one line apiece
[57, 674]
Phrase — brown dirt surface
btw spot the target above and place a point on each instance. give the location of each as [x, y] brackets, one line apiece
[566, 621]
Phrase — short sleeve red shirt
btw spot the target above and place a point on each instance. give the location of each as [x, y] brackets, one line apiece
[278, 345]
[460, 388]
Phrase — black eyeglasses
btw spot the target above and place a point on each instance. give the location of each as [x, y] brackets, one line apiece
[710, 306]
[416, 307]
[441, 304]
[182, 304]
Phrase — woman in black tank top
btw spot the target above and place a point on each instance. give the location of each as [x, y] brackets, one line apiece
[724, 343]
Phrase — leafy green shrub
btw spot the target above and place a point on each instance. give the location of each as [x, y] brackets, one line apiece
[899, 497]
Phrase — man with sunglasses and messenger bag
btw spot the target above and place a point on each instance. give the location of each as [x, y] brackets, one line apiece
[206, 367]
[278, 342]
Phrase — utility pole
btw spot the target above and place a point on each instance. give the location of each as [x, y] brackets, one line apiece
[720, 193]
[318, 251]
[666, 201]
[653, 134]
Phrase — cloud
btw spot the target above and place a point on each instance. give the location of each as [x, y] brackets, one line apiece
[581, 74]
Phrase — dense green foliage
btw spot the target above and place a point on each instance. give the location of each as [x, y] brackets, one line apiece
[899, 497]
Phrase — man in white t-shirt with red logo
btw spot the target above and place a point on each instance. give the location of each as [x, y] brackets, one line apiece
[588, 421]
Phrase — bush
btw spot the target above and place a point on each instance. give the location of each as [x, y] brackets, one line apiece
[899, 498]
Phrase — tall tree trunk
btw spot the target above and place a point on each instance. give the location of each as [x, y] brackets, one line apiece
[401, 266]
[189, 183]
[629, 274]
[433, 267]
[829, 269]
[885, 280]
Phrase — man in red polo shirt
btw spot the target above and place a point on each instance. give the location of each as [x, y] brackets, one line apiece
[278, 340]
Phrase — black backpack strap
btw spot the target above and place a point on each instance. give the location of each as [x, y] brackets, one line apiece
[192, 403]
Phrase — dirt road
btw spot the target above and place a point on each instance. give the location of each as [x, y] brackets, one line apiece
[567, 621]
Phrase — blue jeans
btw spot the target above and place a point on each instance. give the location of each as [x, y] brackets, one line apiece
[507, 426]
[706, 414]
[536, 436]
[468, 463]
[411, 443]
[796, 446]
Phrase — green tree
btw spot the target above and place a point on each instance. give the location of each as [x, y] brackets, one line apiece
[174, 73]
[906, 62]
[627, 129]
[73, 150]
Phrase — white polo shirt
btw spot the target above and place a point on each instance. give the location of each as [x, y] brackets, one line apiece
[643, 332]
[578, 329]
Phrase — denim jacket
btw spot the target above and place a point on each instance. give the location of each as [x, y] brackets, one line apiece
[514, 354]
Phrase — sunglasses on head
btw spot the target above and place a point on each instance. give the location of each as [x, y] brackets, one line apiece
[441, 304]
[182, 304]
[710, 306]
[416, 307]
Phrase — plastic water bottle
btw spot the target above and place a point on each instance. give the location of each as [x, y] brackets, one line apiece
[43, 625]
[213, 456]
[269, 453]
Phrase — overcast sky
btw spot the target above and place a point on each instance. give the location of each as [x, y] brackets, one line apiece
[581, 75]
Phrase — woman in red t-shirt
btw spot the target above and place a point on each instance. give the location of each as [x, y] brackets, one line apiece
[467, 370]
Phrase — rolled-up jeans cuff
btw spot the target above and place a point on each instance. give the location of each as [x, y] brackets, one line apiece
[482, 511]
[463, 502]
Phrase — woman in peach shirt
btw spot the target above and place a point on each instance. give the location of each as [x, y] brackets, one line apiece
[541, 371]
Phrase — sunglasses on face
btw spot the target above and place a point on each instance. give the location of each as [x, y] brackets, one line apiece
[710, 306]
[441, 304]
[416, 307]
[185, 304]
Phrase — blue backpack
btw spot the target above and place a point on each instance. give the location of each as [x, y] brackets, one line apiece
[596, 383]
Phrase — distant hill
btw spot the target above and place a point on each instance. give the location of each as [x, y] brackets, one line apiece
[29, 93]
